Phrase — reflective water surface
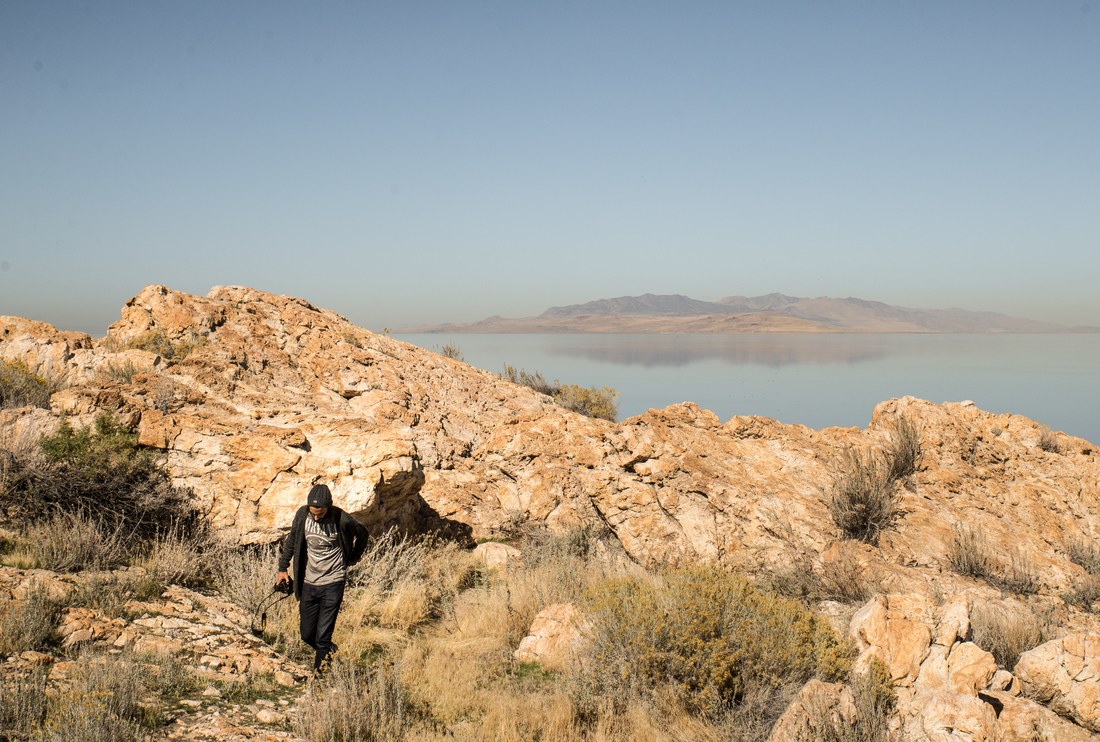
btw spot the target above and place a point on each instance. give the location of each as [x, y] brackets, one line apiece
[813, 379]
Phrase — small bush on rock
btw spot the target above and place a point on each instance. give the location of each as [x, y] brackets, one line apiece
[968, 553]
[592, 402]
[1005, 633]
[864, 501]
[904, 450]
[1084, 553]
[1048, 440]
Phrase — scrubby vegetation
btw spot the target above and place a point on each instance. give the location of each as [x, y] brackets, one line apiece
[156, 341]
[969, 554]
[1006, 633]
[98, 474]
[864, 500]
[451, 350]
[1048, 440]
[705, 639]
[20, 386]
[1085, 591]
[590, 401]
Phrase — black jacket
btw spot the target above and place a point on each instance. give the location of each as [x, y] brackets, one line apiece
[352, 534]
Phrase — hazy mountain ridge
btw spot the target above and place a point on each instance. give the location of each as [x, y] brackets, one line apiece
[773, 312]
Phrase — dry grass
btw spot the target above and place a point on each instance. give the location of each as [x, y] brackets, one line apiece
[844, 578]
[1083, 553]
[904, 449]
[121, 697]
[186, 556]
[20, 386]
[22, 703]
[1085, 593]
[354, 704]
[1048, 440]
[1006, 632]
[1020, 576]
[71, 542]
[28, 623]
[968, 553]
[864, 498]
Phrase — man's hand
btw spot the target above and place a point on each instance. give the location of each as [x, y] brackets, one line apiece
[282, 577]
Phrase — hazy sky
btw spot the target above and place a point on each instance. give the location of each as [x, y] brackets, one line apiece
[407, 162]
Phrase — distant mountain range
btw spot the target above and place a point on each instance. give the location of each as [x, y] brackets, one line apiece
[768, 313]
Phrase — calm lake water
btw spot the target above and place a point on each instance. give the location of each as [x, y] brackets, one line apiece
[813, 379]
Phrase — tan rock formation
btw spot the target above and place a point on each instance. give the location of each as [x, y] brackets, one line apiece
[254, 397]
[554, 636]
[1065, 674]
[948, 688]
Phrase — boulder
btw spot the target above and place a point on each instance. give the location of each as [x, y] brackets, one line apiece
[1065, 675]
[554, 637]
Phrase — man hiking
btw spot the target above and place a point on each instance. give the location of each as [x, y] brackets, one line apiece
[323, 542]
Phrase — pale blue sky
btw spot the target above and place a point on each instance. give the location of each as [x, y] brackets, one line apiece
[408, 162]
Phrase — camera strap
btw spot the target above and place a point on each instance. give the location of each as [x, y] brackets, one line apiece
[263, 608]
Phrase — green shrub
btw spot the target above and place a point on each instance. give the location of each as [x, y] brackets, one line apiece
[20, 386]
[705, 636]
[864, 499]
[102, 474]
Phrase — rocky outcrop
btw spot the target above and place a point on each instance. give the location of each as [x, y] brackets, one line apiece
[948, 687]
[253, 397]
[1065, 675]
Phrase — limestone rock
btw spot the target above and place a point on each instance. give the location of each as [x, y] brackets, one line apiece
[554, 636]
[814, 714]
[495, 555]
[1065, 674]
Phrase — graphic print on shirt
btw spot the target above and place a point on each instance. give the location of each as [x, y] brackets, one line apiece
[324, 557]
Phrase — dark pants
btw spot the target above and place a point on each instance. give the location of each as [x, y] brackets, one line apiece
[318, 609]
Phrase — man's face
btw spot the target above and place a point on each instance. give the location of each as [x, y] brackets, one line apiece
[318, 513]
